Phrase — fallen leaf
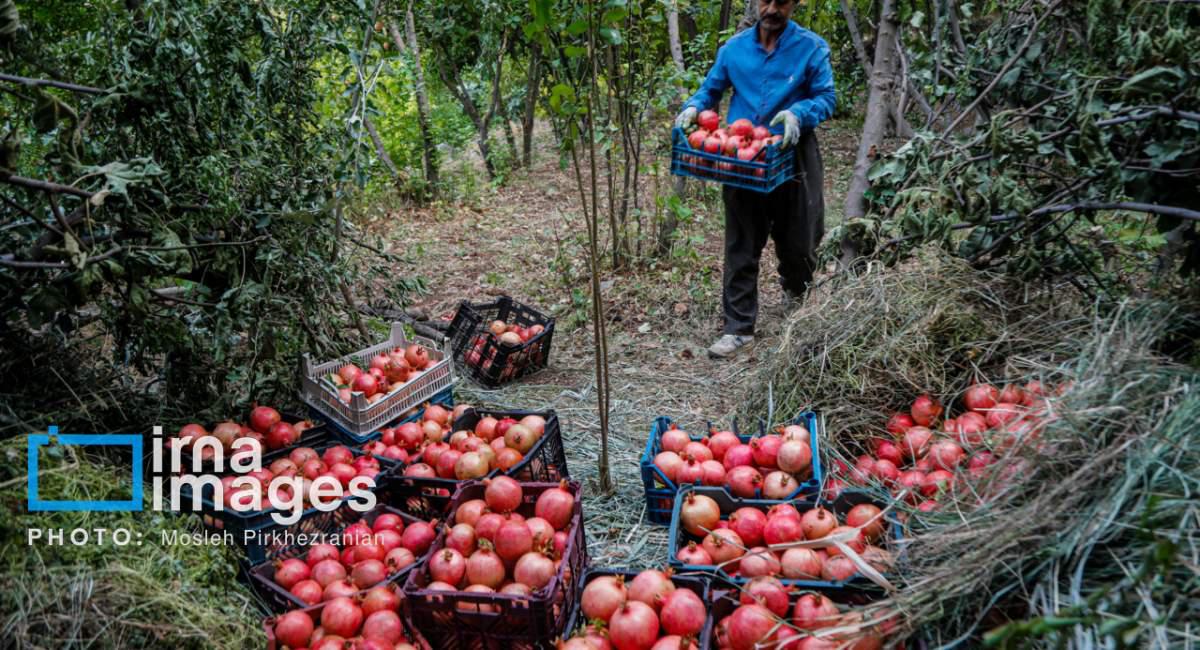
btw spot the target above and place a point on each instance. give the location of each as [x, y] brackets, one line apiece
[686, 354]
[644, 328]
[681, 309]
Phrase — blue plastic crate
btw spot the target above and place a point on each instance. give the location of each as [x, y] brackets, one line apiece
[443, 398]
[777, 167]
[660, 491]
[728, 503]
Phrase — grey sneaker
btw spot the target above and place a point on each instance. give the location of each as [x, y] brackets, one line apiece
[728, 345]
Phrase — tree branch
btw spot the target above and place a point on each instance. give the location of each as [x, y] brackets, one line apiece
[34, 83]
[1033, 31]
[45, 186]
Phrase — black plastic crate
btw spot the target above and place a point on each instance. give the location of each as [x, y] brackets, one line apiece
[315, 435]
[280, 600]
[699, 584]
[429, 497]
[724, 602]
[457, 620]
[257, 533]
[678, 537]
[498, 364]
[314, 612]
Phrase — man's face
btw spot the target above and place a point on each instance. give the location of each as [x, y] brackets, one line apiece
[775, 13]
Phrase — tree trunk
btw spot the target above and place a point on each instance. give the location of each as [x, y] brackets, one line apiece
[424, 122]
[749, 16]
[879, 104]
[856, 37]
[955, 31]
[723, 22]
[673, 34]
[452, 82]
[511, 139]
[379, 148]
[666, 231]
[532, 90]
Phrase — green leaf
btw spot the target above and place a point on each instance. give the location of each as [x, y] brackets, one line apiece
[613, 16]
[1156, 79]
[541, 11]
[574, 51]
[918, 19]
[1162, 152]
[612, 36]
[560, 92]
[578, 27]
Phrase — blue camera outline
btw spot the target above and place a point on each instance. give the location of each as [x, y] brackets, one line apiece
[37, 440]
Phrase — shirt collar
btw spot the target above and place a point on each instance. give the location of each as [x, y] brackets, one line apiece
[783, 38]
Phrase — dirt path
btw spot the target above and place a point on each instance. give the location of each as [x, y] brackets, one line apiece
[525, 239]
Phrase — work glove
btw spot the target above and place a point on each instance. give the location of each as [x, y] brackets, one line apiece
[686, 118]
[791, 127]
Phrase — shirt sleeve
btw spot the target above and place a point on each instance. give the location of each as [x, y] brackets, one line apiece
[818, 106]
[715, 84]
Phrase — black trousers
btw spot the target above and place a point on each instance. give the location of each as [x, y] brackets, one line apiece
[793, 216]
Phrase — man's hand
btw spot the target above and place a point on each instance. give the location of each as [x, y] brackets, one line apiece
[791, 127]
[686, 118]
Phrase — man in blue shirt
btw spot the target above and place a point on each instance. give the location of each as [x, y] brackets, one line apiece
[780, 72]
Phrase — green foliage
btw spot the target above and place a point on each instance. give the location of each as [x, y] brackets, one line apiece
[1085, 151]
[204, 263]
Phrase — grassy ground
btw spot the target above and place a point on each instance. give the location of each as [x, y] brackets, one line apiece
[524, 239]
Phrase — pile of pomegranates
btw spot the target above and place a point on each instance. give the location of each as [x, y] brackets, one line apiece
[771, 616]
[368, 623]
[386, 373]
[771, 466]
[307, 464]
[653, 611]
[503, 336]
[779, 542]
[266, 426]
[493, 443]
[920, 460]
[405, 441]
[369, 554]
[738, 142]
[498, 541]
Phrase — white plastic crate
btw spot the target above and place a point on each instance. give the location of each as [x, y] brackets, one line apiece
[360, 417]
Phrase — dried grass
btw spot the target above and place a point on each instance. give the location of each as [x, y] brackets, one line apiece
[1088, 539]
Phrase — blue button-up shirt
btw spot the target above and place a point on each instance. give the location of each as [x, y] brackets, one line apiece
[795, 76]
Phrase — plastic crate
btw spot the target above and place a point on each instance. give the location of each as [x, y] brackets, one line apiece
[660, 491]
[498, 364]
[546, 462]
[724, 602]
[359, 417]
[278, 599]
[444, 398]
[776, 166]
[678, 538]
[258, 534]
[415, 637]
[456, 620]
[314, 435]
[698, 584]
